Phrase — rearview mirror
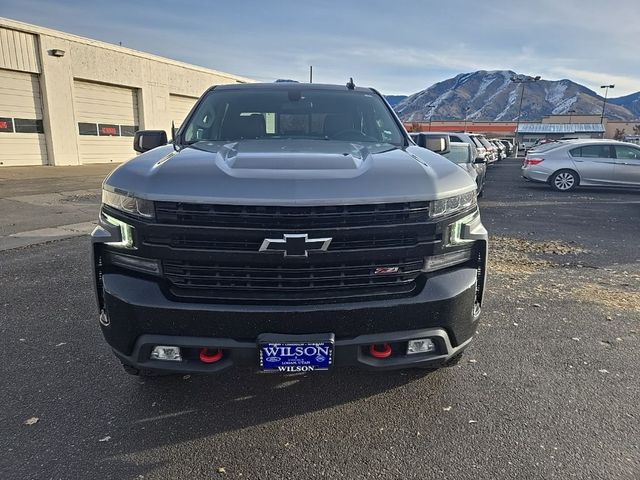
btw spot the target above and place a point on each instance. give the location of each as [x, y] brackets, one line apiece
[145, 140]
[480, 161]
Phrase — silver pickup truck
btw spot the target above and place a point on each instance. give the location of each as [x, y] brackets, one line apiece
[288, 227]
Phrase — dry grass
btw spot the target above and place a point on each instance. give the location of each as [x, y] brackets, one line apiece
[517, 262]
[516, 256]
[608, 296]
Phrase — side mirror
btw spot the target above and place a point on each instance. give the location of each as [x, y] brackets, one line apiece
[480, 161]
[145, 140]
[438, 144]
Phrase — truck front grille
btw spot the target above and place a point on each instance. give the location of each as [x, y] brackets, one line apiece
[211, 252]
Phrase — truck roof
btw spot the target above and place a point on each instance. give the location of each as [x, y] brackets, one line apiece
[288, 86]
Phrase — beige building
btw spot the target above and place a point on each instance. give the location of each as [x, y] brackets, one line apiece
[69, 100]
[610, 126]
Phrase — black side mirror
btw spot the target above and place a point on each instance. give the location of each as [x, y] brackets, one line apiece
[438, 144]
[145, 140]
[480, 161]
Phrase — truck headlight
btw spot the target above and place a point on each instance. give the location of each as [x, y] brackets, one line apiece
[128, 204]
[452, 205]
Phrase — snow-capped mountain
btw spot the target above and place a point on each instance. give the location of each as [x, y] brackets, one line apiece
[395, 99]
[492, 96]
[630, 102]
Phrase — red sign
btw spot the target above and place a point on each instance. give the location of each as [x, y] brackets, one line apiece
[6, 125]
[108, 131]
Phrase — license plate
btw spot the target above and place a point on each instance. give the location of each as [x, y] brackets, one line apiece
[290, 357]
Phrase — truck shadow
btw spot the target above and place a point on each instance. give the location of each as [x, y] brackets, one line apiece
[173, 410]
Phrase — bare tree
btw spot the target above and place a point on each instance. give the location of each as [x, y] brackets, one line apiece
[619, 135]
[636, 129]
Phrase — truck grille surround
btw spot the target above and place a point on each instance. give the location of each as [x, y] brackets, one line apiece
[210, 253]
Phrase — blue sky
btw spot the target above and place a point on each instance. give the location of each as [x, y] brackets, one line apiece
[399, 46]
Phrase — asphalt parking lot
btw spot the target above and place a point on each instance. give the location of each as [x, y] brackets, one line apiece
[548, 389]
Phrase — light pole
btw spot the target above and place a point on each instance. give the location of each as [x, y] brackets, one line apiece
[604, 102]
[523, 80]
[571, 112]
[466, 115]
[430, 114]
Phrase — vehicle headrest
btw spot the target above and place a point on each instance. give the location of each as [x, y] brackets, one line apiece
[244, 127]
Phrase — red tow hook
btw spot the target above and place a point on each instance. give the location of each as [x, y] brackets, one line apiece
[208, 357]
[384, 352]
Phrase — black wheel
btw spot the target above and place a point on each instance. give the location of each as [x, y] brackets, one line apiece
[564, 180]
[131, 370]
[455, 360]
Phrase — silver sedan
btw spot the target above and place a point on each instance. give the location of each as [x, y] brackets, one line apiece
[565, 165]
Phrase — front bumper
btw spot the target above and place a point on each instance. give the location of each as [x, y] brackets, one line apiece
[140, 316]
[347, 352]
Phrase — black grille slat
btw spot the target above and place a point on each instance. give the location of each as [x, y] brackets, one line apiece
[291, 217]
[249, 296]
[203, 241]
[187, 275]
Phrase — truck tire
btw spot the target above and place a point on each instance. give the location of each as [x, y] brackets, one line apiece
[131, 370]
[455, 360]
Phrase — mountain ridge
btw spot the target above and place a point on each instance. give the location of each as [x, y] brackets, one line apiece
[490, 95]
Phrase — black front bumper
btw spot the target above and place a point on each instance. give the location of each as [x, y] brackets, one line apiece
[141, 316]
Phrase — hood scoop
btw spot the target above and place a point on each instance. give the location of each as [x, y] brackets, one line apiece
[295, 161]
[276, 159]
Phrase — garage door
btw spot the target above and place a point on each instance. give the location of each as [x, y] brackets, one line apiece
[180, 106]
[22, 140]
[107, 119]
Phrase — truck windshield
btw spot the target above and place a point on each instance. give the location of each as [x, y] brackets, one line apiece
[243, 114]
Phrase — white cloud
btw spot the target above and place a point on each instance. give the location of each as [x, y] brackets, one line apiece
[624, 85]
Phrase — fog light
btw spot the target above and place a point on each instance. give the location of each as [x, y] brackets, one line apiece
[166, 352]
[140, 264]
[445, 260]
[420, 345]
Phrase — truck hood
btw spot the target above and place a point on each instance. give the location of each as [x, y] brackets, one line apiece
[290, 172]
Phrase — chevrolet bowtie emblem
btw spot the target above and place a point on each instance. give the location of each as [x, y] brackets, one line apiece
[294, 244]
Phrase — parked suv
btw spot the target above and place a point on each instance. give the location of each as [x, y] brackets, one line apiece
[477, 148]
[288, 227]
[492, 150]
[461, 155]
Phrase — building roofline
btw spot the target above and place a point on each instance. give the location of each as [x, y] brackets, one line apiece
[38, 30]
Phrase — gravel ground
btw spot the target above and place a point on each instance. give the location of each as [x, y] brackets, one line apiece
[548, 389]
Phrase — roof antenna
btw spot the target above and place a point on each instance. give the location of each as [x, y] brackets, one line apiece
[350, 84]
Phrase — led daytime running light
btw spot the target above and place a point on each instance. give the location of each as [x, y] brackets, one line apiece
[126, 232]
